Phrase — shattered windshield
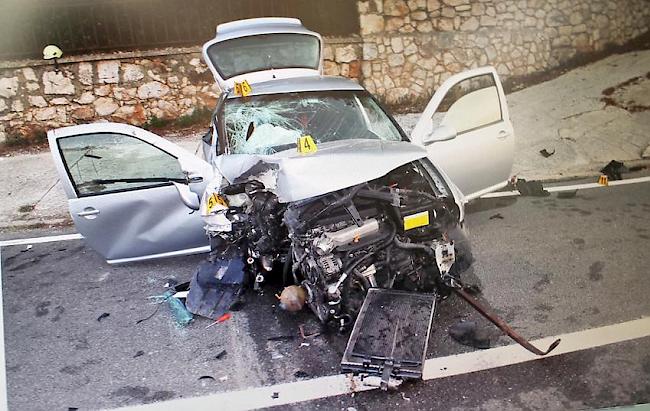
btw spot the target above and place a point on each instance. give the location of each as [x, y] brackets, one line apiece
[268, 124]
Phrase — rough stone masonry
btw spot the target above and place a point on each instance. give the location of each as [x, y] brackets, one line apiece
[404, 51]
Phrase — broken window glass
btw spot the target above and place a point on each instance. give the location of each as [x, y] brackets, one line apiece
[470, 104]
[101, 163]
[267, 124]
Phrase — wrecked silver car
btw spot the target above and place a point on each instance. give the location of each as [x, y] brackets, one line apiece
[304, 179]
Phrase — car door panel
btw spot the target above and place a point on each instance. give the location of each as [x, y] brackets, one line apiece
[479, 158]
[138, 223]
[122, 184]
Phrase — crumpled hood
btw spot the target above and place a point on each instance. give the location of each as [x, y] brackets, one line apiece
[336, 165]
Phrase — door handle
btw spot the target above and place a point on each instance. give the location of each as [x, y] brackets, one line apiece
[88, 213]
[502, 134]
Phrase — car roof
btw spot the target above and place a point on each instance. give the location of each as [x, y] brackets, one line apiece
[309, 83]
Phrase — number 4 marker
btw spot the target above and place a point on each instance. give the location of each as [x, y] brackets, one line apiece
[306, 145]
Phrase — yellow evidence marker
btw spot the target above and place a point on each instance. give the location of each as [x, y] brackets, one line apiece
[243, 89]
[306, 145]
[215, 201]
[603, 180]
[416, 220]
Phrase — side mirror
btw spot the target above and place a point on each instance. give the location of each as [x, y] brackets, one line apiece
[188, 197]
[441, 133]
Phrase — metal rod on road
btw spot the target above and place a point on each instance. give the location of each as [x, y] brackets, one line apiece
[503, 325]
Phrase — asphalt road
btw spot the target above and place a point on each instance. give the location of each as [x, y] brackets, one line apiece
[548, 265]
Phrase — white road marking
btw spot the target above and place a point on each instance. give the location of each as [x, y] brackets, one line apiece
[334, 385]
[515, 354]
[555, 189]
[39, 240]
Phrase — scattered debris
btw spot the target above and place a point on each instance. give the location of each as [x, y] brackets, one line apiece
[468, 333]
[149, 316]
[221, 319]
[567, 194]
[26, 208]
[282, 338]
[216, 285]
[101, 317]
[531, 188]
[171, 283]
[301, 328]
[300, 374]
[503, 326]
[614, 169]
[404, 397]
[220, 355]
[27, 248]
[305, 344]
[275, 395]
[138, 354]
[496, 216]
[206, 379]
[182, 316]
[545, 153]
[390, 336]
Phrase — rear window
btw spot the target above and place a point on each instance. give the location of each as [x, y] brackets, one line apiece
[263, 52]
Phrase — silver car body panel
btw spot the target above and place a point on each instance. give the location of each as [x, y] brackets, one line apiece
[336, 165]
[142, 223]
[300, 84]
[256, 27]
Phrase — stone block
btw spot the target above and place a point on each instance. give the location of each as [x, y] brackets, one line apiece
[346, 54]
[108, 72]
[152, 89]
[83, 113]
[37, 101]
[8, 86]
[470, 24]
[85, 74]
[105, 106]
[371, 24]
[131, 73]
[56, 83]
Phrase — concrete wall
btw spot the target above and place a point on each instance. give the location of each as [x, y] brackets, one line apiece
[404, 51]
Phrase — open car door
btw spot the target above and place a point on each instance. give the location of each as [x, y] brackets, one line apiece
[131, 193]
[467, 132]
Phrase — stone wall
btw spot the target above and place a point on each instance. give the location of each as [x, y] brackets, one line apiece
[410, 47]
[404, 51]
[140, 88]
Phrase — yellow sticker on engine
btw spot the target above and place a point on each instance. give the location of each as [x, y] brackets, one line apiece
[306, 145]
[216, 202]
[243, 89]
[416, 220]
